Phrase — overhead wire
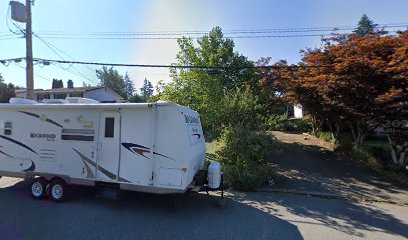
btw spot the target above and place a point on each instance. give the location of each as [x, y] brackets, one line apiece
[241, 31]
[54, 61]
[109, 37]
[16, 25]
[174, 66]
[36, 74]
[50, 46]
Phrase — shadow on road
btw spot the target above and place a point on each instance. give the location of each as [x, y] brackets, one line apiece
[342, 215]
[314, 169]
[134, 216]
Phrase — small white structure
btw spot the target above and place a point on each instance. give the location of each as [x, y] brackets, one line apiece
[155, 148]
[298, 111]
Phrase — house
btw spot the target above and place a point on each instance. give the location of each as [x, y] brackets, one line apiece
[298, 111]
[100, 94]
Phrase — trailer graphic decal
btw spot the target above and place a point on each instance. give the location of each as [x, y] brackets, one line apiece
[103, 170]
[38, 116]
[18, 143]
[5, 154]
[85, 160]
[197, 135]
[141, 150]
[31, 168]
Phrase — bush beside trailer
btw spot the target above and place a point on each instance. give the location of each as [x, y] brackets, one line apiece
[156, 148]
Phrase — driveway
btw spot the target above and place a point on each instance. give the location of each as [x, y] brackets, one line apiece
[309, 166]
[144, 216]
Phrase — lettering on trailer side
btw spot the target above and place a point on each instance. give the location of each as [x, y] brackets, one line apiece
[190, 119]
[46, 136]
[193, 127]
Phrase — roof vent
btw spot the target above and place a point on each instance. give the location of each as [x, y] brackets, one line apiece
[21, 101]
[55, 101]
[81, 100]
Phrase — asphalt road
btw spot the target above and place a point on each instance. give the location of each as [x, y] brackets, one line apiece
[144, 216]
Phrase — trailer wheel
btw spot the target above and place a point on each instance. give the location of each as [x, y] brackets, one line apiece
[37, 188]
[57, 190]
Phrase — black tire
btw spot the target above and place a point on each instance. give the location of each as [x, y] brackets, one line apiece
[57, 190]
[38, 188]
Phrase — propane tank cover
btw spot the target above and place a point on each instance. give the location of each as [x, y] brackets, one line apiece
[18, 11]
[214, 175]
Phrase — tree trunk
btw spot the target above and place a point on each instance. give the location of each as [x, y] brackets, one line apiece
[334, 132]
[402, 158]
[359, 134]
[394, 156]
[397, 157]
[316, 125]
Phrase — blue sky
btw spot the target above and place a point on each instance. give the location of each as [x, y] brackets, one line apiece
[73, 16]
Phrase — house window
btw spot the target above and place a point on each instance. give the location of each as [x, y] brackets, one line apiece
[77, 95]
[60, 95]
[42, 96]
[109, 127]
[8, 128]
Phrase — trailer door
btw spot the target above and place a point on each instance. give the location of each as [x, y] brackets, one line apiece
[108, 146]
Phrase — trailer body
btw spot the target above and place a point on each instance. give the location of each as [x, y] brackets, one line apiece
[156, 148]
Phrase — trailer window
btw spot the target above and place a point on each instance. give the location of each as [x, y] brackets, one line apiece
[8, 128]
[109, 127]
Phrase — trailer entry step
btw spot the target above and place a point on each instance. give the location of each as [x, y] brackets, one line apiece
[196, 189]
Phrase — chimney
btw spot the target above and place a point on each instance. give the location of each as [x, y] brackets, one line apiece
[70, 83]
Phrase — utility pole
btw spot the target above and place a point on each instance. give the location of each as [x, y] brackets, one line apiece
[29, 53]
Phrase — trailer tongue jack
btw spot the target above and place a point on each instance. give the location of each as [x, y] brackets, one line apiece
[202, 185]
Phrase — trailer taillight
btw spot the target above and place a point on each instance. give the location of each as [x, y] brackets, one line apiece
[184, 169]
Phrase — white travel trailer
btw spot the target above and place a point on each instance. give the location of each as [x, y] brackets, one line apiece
[156, 148]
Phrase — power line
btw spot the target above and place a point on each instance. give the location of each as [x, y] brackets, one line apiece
[175, 38]
[10, 38]
[61, 51]
[196, 37]
[8, 26]
[50, 46]
[48, 61]
[239, 31]
[173, 35]
[36, 74]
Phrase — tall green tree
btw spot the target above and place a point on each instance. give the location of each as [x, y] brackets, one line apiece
[111, 78]
[203, 89]
[136, 98]
[7, 91]
[147, 89]
[57, 83]
[365, 26]
[129, 86]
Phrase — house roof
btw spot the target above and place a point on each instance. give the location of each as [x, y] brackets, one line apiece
[60, 90]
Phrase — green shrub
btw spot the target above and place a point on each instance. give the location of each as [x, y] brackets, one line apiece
[345, 142]
[241, 146]
[298, 125]
[249, 177]
[326, 136]
[244, 108]
[277, 122]
[244, 154]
